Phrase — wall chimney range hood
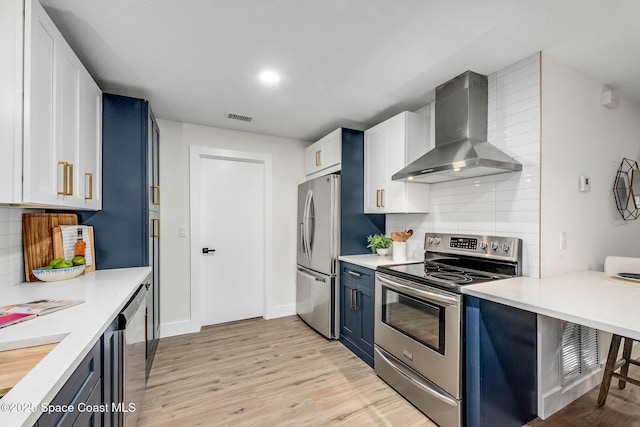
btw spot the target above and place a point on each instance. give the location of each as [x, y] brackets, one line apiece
[461, 149]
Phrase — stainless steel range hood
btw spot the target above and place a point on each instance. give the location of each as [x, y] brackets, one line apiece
[461, 150]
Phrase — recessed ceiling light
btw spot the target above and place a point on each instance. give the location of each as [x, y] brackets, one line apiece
[270, 77]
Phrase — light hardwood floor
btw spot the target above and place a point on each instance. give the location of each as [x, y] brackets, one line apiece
[275, 372]
[279, 372]
[622, 408]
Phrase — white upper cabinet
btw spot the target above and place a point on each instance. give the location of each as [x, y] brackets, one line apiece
[89, 174]
[388, 147]
[324, 156]
[60, 119]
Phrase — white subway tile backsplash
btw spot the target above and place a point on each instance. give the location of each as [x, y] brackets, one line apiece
[509, 203]
[11, 255]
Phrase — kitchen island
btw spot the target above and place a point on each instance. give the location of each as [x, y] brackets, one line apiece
[505, 338]
[591, 298]
[76, 330]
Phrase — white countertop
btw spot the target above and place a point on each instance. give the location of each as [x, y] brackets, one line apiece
[590, 298]
[78, 328]
[373, 261]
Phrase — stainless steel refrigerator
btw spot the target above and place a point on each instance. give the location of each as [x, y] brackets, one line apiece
[317, 284]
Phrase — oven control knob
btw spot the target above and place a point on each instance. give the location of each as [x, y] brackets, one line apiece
[483, 245]
[494, 246]
[436, 240]
[429, 240]
[505, 247]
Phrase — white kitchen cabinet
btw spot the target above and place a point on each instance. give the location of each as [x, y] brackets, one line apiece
[55, 117]
[90, 145]
[324, 156]
[388, 147]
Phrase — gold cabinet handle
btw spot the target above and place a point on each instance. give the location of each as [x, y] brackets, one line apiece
[351, 299]
[67, 179]
[88, 176]
[155, 191]
[377, 198]
[155, 227]
[382, 198]
[70, 177]
[64, 178]
[353, 273]
[355, 303]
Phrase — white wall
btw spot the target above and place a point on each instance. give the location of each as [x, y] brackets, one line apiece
[581, 137]
[11, 253]
[288, 172]
[506, 204]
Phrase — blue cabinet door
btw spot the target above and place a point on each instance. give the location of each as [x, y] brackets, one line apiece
[501, 374]
[357, 307]
[366, 305]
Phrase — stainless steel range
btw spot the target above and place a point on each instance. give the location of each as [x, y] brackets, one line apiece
[419, 317]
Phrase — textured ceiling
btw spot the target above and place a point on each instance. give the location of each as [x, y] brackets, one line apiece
[346, 63]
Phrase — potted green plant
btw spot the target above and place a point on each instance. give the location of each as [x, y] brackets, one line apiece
[379, 243]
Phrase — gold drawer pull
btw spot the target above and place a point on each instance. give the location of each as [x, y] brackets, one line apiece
[353, 273]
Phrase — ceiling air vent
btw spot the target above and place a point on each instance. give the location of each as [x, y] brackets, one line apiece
[240, 117]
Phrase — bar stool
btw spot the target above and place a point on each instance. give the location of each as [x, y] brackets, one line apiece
[614, 265]
[613, 364]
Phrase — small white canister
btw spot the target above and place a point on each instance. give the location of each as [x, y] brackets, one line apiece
[399, 251]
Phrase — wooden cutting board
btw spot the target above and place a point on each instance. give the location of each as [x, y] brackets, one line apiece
[15, 364]
[37, 238]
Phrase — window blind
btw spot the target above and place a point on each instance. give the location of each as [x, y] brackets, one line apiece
[579, 350]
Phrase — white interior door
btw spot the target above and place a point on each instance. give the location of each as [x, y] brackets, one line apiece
[232, 224]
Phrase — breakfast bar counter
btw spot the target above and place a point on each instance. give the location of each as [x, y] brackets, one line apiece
[591, 298]
[76, 329]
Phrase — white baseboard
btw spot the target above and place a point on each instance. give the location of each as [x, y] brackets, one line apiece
[280, 311]
[553, 401]
[188, 327]
[177, 328]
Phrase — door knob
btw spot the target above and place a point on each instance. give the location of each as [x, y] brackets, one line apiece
[207, 250]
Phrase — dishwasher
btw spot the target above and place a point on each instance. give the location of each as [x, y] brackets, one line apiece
[132, 333]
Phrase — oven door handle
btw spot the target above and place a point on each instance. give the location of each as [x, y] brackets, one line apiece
[435, 393]
[419, 293]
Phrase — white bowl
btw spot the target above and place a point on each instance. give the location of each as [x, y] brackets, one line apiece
[57, 274]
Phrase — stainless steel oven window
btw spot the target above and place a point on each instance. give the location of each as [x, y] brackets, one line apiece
[418, 319]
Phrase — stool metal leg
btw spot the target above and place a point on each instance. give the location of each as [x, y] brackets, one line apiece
[626, 355]
[609, 368]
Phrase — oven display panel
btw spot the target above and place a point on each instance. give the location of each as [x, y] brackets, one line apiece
[463, 243]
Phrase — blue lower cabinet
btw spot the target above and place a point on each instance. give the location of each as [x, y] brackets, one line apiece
[92, 389]
[357, 305]
[501, 373]
[79, 390]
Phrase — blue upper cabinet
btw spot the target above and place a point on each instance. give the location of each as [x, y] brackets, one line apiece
[355, 225]
[122, 228]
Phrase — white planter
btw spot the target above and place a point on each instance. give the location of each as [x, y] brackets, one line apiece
[382, 251]
[399, 251]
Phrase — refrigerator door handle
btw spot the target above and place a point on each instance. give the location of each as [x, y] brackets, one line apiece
[307, 221]
[317, 277]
